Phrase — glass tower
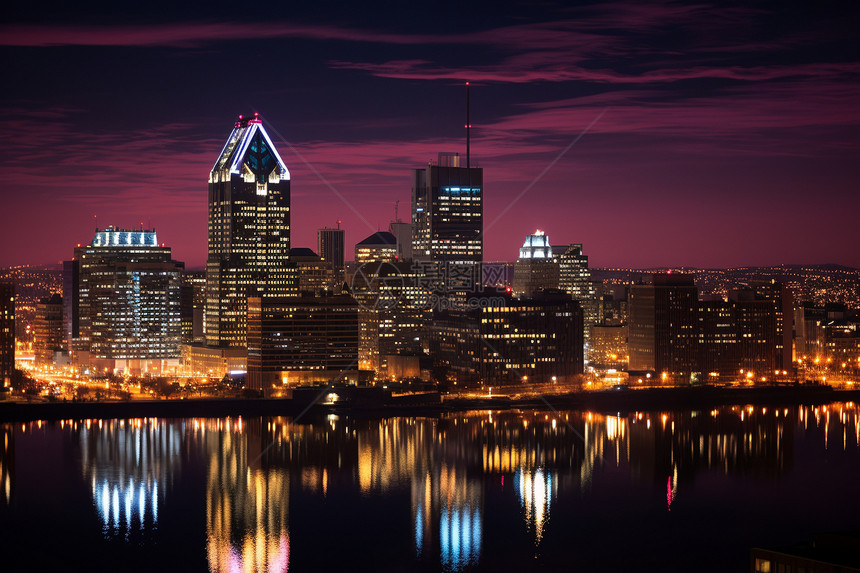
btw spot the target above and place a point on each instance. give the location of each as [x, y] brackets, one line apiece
[249, 231]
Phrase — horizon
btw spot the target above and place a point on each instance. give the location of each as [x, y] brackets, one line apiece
[709, 135]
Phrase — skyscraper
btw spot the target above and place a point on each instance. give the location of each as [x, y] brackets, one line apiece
[574, 278]
[127, 297]
[249, 231]
[535, 269]
[7, 333]
[448, 212]
[330, 246]
[663, 327]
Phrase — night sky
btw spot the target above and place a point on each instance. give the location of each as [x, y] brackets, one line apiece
[708, 135]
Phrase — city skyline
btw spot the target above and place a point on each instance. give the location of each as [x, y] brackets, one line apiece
[654, 135]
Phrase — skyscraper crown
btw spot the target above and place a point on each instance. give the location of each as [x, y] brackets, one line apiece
[249, 145]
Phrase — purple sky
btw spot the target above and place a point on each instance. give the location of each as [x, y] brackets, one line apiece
[720, 134]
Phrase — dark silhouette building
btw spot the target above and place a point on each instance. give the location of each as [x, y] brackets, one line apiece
[330, 246]
[662, 335]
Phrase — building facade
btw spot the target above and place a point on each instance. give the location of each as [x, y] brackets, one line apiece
[7, 333]
[535, 269]
[662, 328]
[448, 212]
[48, 338]
[301, 340]
[128, 298]
[574, 278]
[330, 246]
[249, 231]
[537, 340]
[378, 247]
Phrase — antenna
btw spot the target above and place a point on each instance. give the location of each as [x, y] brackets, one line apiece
[468, 130]
[396, 211]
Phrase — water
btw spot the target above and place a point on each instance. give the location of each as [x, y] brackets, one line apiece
[473, 491]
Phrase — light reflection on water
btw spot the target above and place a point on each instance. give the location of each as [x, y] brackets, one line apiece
[447, 465]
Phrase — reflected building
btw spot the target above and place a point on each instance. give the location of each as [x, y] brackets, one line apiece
[247, 504]
[130, 465]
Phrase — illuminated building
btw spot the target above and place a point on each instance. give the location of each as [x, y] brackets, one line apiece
[780, 298]
[394, 313]
[213, 361]
[302, 339]
[448, 213]
[193, 307]
[71, 311]
[249, 231]
[128, 299]
[662, 327]
[48, 330]
[503, 340]
[7, 333]
[314, 273]
[608, 345]
[377, 248]
[535, 269]
[574, 278]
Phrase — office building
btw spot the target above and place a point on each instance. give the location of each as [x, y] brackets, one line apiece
[330, 246]
[394, 313]
[378, 247]
[574, 278]
[192, 309]
[535, 269]
[448, 213]
[249, 231]
[536, 340]
[127, 300]
[314, 273]
[301, 340]
[48, 339]
[662, 328]
[403, 236]
[7, 334]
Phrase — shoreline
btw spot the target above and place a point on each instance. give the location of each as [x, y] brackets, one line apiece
[622, 401]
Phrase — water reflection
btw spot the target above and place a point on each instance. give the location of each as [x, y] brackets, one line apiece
[247, 507]
[124, 462]
[444, 465]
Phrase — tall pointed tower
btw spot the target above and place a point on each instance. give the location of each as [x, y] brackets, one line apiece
[249, 231]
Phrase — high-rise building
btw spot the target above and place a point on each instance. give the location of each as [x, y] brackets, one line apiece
[662, 329]
[249, 231]
[330, 246]
[394, 301]
[574, 278]
[301, 339]
[48, 336]
[7, 334]
[535, 269]
[128, 297]
[378, 247]
[448, 212]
